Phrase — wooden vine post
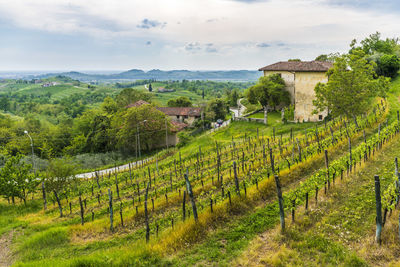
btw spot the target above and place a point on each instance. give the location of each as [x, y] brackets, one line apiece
[81, 206]
[44, 196]
[398, 181]
[146, 213]
[378, 210]
[184, 206]
[190, 193]
[327, 168]
[272, 160]
[110, 202]
[280, 200]
[58, 202]
[350, 156]
[236, 178]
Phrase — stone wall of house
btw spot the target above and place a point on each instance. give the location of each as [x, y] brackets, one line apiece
[305, 83]
[172, 141]
[189, 120]
[300, 86]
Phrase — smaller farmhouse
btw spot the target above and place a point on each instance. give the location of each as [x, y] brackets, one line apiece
[177, 124]
[301, 77]
[182, 114]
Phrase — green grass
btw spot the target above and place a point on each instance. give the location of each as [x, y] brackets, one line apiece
[274, 117]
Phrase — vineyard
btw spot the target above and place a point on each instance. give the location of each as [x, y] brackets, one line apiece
[173, 200]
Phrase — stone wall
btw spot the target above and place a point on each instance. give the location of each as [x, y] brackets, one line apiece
[305, 83]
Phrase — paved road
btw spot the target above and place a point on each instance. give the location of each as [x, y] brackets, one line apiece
[235, 111]
[112, 170]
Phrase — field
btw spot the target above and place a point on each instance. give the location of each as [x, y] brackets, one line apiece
[163, 98]
[66, 89]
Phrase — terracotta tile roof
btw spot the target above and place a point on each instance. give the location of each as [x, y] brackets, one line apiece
[184, 111]
[178, 126]
[138, 104]
[320, 66]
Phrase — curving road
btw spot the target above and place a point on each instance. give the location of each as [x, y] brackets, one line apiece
[104, 172]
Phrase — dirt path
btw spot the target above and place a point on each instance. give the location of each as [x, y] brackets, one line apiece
[6, 258]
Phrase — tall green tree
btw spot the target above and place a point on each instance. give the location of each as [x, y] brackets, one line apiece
[268, 92]
[217, 109]
[351, 86]
[144, 120]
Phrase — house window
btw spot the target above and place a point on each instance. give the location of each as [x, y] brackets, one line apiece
[320, 117]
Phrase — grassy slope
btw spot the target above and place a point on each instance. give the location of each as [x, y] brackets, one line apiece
[40, 234]
[332, 231]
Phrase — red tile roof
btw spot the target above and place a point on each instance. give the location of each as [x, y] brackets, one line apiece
[138, 104]
[318, 66]
[178, 126]
[181, 111]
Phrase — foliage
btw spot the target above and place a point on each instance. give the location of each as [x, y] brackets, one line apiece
[289, 113]
[388, 65]
[181, 101]
[146, 121]
[184, 139]
[385, 53]
[216, 109]
[60, 176]
[129, 96]
[17, 179]
[351, 86]
[269, 92]
[373, 44]
[327, 57]
[232, 97]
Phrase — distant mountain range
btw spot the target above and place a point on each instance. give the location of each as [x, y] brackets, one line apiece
[136, 74]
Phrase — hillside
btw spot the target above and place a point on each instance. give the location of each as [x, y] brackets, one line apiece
[238, 216]
[135, 74]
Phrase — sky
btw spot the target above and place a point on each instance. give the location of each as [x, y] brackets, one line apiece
[76, 35]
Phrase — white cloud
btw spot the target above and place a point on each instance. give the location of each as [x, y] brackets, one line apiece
[219, 28]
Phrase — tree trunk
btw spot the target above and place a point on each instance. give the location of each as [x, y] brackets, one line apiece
[265, 115]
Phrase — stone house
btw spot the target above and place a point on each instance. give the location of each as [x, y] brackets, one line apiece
[301, 77]
[182, 114]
